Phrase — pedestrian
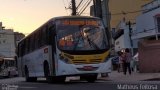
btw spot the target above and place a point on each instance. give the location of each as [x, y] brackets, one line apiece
[127, 60]
[120, 63]
[136, 60]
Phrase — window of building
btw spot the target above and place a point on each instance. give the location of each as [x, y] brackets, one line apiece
[4, 41]
[158, 24]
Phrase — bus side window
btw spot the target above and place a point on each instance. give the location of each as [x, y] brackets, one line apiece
[36, 40]
[39, 39]
[32, 42]
[48, 35]
[52, 33]
[28, 45]
[44, 30]
[18, 50]
[21, 49]
[25, 47]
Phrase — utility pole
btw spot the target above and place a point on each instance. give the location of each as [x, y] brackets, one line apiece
[97, 8]
[106, 19]
[130, 34]
[101, 10]
[73, 8]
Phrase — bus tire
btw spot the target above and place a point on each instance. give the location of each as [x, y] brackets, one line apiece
[59, 79]
[91, 78]
[46, 72]
[52, 79]
[9, 74]
[29, 79]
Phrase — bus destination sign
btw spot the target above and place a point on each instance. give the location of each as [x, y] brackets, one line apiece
[80, 22]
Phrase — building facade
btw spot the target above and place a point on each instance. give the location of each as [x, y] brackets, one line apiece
[128, 9]
[18, 37]
[122, 38]
[9, 41]
[148, 32]
[148, 23]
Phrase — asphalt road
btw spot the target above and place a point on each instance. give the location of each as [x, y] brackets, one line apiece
[19, 83]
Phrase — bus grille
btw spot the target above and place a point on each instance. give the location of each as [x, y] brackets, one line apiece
[90, 61]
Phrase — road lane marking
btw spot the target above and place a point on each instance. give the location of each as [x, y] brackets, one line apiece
[26, 87]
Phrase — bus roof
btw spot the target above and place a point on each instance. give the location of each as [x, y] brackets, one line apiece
[63, 17]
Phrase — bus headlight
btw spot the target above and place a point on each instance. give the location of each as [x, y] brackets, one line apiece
[62, 58]
[66, 60]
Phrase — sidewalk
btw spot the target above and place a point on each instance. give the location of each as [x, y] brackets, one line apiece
[135, 76]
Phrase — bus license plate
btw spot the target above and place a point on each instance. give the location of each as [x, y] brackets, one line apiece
[88, 68]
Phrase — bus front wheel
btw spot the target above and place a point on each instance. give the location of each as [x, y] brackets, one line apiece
[29, 79]
[91, 78]
[46, 72]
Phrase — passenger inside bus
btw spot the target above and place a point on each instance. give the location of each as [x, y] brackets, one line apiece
[66, 42]
[62, 42]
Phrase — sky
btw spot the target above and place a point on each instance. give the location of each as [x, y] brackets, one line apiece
[27, 15]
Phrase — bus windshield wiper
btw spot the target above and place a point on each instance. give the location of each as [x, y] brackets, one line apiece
[91, 43]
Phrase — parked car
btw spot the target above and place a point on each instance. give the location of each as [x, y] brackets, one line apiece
[115, 61]
[8, 67]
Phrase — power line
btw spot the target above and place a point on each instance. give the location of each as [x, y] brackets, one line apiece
[85, 6]
[79, 4]
[65, 7]
[124, 13]
[128, 12]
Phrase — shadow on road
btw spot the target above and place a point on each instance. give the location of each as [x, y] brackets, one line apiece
[153, 79]
[2, 77]
[65, 83]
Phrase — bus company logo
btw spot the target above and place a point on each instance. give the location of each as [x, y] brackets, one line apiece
[9, 87]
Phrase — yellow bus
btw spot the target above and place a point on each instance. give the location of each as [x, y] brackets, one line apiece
[65, 46]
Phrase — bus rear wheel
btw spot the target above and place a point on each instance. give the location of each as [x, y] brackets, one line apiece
[29, 79]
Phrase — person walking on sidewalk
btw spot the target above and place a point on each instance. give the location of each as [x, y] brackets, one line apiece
[120, 62]
[127, 61]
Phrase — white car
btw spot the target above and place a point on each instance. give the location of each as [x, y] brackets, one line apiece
[9, 72]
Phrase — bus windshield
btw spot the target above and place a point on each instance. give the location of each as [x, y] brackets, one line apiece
[81, 34]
